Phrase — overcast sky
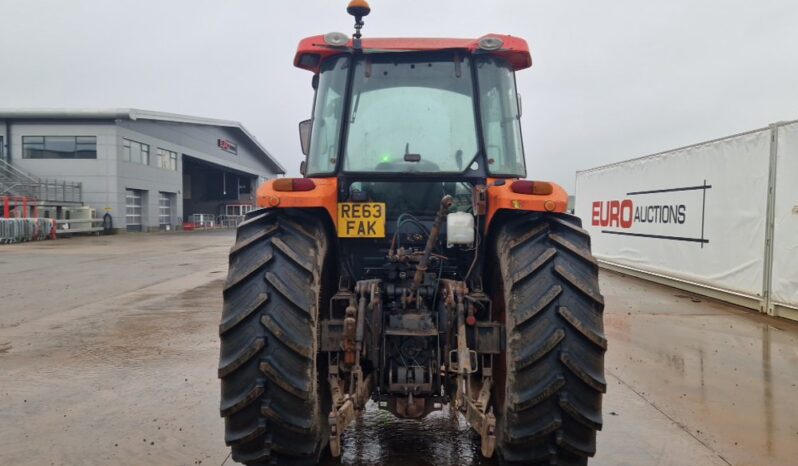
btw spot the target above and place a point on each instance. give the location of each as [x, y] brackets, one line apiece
[611, 80]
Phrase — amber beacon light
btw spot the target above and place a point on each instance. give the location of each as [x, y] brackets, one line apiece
[358, 8]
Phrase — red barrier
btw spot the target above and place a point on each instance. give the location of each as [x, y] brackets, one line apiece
[15, 202]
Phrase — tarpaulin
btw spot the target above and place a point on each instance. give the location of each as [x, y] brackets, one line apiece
[784, 281]
[696, 213]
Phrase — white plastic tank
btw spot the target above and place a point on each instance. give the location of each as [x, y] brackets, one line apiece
[459, 229]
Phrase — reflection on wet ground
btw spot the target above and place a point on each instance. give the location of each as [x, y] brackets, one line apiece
[692, 382]
[727, 376]
[442, 438]
[127, 374]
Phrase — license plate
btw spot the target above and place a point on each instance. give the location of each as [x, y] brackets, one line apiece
[361, 220]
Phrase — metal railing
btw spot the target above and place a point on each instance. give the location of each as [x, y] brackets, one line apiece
[20, 230]
[15, 182]
[59, 191]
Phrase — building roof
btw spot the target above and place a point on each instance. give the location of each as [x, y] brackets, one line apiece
[138, 114]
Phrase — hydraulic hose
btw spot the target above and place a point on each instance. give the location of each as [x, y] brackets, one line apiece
[446, 203]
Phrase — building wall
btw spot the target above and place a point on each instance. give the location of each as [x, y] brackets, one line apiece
[3, 139]
[98, 176]
[200, 141]
[150, 178]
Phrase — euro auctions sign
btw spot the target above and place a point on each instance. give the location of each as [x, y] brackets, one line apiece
[670, 213]
[227, 146]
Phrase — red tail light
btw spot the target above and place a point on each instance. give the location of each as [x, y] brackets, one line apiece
[537, 188]
[294, 184]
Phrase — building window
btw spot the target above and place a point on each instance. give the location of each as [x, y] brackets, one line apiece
[167, 159]
[59, 147]
[135, 152]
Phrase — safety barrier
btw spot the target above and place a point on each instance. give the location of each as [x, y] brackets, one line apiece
[20, 230]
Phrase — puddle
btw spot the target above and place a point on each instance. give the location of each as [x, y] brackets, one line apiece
[443, 438]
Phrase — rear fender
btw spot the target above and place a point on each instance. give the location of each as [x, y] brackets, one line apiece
[323, 196]
[502, 198]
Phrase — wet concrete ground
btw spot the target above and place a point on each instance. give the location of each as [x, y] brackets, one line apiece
[108, 354]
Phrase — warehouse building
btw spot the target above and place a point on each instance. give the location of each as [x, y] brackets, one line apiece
[148, 170]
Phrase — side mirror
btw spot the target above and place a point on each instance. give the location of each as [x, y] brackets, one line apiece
[314, 82]
[520, 106]
[303, 167]
[304, 135]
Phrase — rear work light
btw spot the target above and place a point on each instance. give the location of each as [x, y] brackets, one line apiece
[336, 39]
[490, 43]
[537, 188]
[294, 184]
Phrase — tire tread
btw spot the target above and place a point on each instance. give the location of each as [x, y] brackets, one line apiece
[270, 388]
[555, 357]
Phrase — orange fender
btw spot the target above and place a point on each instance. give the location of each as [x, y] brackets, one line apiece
[324, 195]
[503, 198]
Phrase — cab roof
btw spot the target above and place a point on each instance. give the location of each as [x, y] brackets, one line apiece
[312, 51]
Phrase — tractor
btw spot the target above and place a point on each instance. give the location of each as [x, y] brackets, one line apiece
[412, 265]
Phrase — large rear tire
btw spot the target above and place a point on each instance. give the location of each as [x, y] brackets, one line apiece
[550, 380]
[272, 397]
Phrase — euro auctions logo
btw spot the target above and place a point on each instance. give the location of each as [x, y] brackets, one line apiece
[675, 214]
[625, 214]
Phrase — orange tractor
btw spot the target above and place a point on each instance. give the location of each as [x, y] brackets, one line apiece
[412, 265]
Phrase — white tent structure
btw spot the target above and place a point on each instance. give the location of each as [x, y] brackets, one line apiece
[719, 218]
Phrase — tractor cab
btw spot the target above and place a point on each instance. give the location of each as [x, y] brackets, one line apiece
[398, 124]
[440, 108]
[411, 120]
